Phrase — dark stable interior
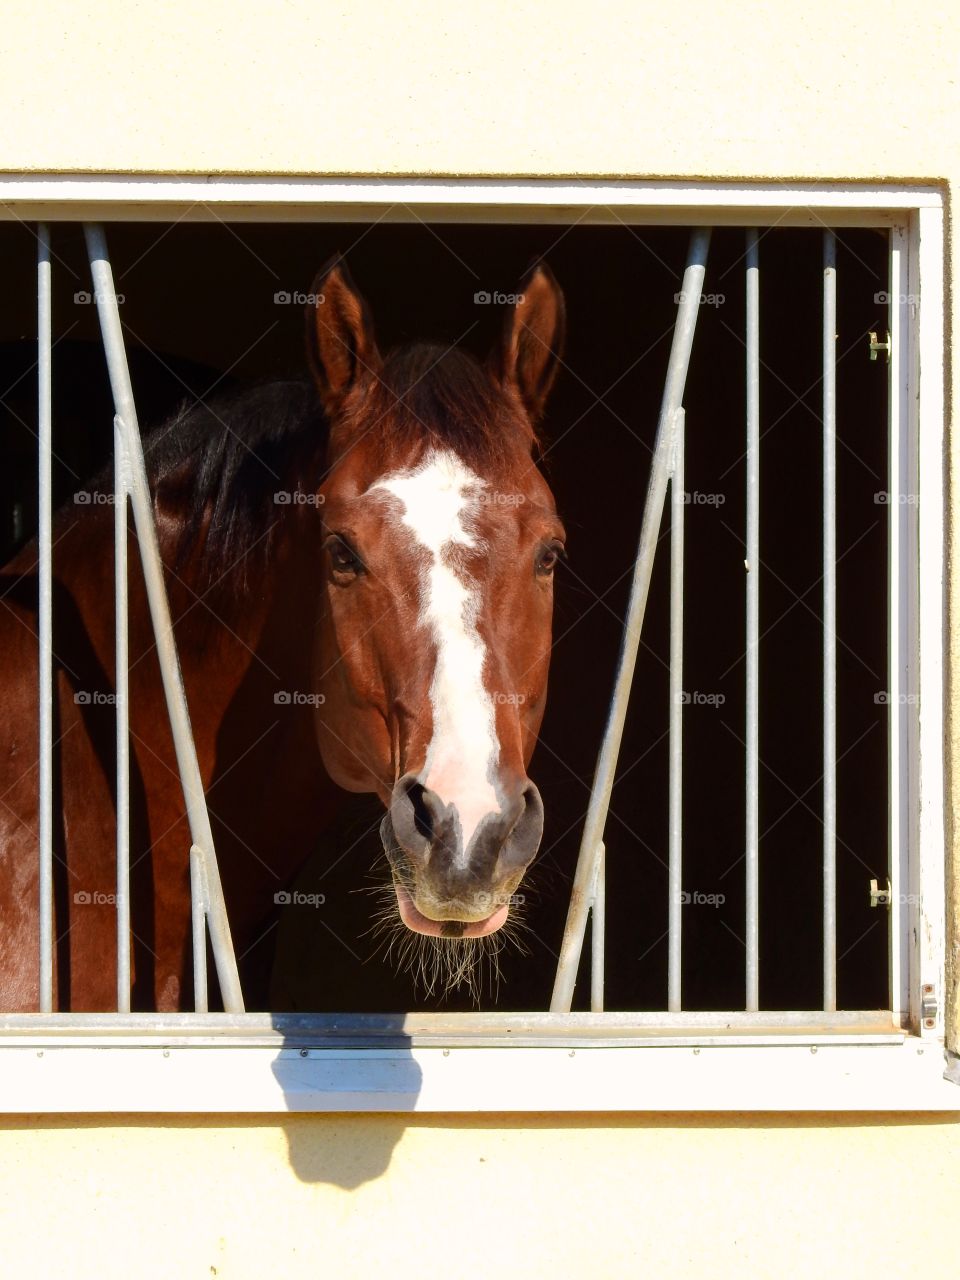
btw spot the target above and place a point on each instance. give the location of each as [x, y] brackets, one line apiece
[199, 309]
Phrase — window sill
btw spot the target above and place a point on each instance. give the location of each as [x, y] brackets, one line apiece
[44, 1071]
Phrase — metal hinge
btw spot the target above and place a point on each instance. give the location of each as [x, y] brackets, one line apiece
[929, 1007]
[880, 897]
[876, 346]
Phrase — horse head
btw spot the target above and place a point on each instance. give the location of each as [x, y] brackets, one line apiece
[440, 538]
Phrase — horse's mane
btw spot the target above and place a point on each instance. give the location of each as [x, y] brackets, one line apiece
[220, 464]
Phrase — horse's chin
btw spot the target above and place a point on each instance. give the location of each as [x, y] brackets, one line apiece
[417, 922]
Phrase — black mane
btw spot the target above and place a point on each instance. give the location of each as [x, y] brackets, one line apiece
[228, 459]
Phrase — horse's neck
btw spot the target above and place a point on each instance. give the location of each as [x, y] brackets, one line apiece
[237, 647]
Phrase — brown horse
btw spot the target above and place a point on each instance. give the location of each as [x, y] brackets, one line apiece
[362, 589]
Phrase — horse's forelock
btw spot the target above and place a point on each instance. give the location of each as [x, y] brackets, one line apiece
[444, 397]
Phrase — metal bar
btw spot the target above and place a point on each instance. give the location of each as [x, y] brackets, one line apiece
[121, 473]
[598, 928]
[675, 824]
[292, 1031]
[829, 620]
[198, 908]
[572, 944]
[752, 826]
[126, 418]
[45, 587]
[903, 631]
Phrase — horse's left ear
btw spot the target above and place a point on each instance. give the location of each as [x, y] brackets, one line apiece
[533, 335]
[341, 347]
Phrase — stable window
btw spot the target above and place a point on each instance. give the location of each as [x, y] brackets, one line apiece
[770, 871]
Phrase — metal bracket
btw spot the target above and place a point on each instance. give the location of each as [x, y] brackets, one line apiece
[929, 1006]
[880, 897]
[877, 346]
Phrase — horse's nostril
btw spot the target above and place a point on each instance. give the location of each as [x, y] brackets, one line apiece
[422, 816]
[523, 841]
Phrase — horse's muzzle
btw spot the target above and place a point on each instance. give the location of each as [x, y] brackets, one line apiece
[445, 889]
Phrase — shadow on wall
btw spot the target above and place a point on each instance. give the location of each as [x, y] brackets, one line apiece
[386, 1077]
[350, 1150]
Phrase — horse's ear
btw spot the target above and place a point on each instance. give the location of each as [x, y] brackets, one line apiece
[341, 348]
[533, 335]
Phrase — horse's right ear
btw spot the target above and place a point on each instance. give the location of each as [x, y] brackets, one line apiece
[532, 342]
[341, 348]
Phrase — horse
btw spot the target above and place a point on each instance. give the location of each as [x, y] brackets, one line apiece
[360, 569]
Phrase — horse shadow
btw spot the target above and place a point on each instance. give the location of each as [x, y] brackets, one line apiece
[360, 1074]
[354, 1071]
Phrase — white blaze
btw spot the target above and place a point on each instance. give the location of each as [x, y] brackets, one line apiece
[437, 497]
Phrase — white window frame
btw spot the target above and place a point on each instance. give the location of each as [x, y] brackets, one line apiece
[603, 1062]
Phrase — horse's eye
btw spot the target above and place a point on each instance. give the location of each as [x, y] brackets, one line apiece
[548, 557]
[343, 559]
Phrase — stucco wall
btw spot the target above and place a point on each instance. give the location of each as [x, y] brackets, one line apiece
[630, 88]
[362, 1196]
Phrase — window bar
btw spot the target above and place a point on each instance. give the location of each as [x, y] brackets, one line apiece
[199, 905]
[572, 944]
[675, 824]
[829, 621]
[752, 830]
[126, 422]
[45, 610]
[121, 472]
[598, 924]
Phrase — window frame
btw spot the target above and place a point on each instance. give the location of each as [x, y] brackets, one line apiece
[181, 1063]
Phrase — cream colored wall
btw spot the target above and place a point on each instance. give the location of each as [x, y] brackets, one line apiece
[615, 87]
[371, 1196]
[490, 87]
